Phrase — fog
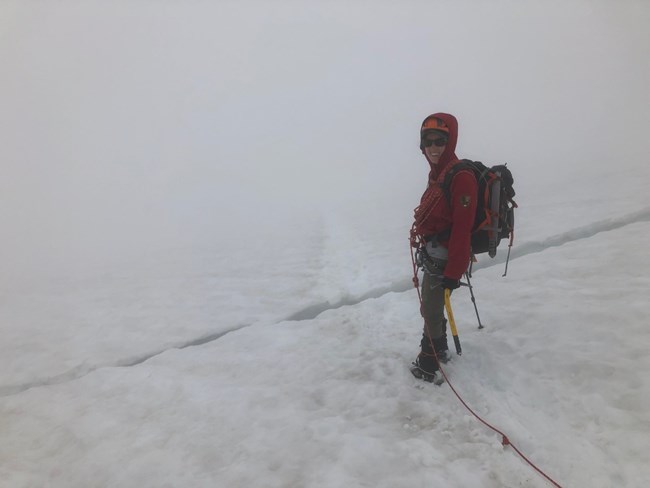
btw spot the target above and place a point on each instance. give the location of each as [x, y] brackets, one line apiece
[132, 128]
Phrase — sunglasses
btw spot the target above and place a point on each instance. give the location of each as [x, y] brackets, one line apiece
[438, 142]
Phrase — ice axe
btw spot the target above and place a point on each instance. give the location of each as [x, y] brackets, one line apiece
[452, 322]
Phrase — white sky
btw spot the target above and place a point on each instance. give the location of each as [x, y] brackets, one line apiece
[133, 126]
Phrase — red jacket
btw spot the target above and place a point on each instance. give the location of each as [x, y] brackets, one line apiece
[435, 214]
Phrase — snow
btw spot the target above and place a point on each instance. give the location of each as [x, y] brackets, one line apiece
[184, 312]
[561, 368]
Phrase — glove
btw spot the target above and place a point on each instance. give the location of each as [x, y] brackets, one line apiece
[449, 283]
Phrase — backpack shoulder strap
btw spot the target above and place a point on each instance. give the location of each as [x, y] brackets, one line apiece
[476, 167]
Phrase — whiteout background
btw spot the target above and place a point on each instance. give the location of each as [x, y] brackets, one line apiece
[172, 171]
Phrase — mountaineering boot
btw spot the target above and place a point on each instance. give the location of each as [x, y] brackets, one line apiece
[439, 344]
[425, 367]
[442, 349]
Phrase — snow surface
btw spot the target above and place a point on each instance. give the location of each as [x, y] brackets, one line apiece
[181, 308]
[561, 367]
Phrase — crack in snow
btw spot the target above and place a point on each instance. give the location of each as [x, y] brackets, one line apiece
[576, 234]
[518, 251]
[313, 311]
[84, 369]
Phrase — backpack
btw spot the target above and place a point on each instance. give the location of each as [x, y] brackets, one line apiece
[495, 208]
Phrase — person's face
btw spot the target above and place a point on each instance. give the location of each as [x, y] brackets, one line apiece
[435, 144]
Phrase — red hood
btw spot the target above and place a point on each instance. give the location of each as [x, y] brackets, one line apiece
[449, 154]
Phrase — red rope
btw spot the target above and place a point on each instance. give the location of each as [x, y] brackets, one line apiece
[504, 438]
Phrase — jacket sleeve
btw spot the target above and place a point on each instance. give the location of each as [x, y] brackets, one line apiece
[464, 192]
